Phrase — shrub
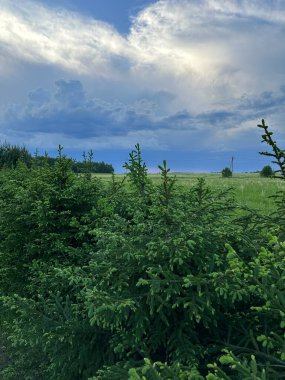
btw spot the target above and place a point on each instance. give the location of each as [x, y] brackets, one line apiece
[267, 171]
[109, 276]
[226, 173]
[135, 281]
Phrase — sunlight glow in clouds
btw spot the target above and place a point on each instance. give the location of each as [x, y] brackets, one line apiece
[207, 69]
[36, 34]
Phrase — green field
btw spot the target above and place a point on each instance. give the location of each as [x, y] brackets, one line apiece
[250, 189]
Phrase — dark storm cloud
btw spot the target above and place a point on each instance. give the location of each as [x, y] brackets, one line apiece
[69, 111]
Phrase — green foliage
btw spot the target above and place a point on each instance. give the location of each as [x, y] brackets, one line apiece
[148, 283]
[240, 368]
[227, 173]
[149, 371]
[267, 171]
[44, 215]
[263, 277]
[277, 218]
[167, 184]
[87, 166]
[10, 155]
[277, 153]
[138, 283]
[137, 170]
[92, 167]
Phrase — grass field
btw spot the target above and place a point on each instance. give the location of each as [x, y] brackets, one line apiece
[250, 189]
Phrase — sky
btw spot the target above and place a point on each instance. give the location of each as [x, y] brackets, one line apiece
[189, 80]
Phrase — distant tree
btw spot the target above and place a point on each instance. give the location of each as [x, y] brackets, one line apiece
[226, 173]
[11, 154]
[93, 167]
[77, 166]
[267, 171]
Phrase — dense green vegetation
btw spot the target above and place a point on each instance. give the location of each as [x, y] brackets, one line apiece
[250, 189]
[139, 281]
[226, 173]
[10, 155]
[267, 171]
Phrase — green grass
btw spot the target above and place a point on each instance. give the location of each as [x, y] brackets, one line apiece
[250, 189]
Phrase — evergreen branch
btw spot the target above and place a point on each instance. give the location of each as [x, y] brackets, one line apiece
[278, 154]
[255, 352]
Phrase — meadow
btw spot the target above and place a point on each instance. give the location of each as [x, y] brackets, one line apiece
[250, 189]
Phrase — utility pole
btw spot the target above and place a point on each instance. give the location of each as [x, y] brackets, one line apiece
[232, 165]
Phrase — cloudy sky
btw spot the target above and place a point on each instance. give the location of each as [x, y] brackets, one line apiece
[187, 79]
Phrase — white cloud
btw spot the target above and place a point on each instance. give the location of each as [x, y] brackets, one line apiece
[212, 50]
[33, 33]
[201, 40]
[207, 57]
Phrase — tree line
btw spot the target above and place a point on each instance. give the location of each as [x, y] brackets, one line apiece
[11, 155]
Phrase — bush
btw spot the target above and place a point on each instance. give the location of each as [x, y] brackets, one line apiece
[267, 171]
[94, 276]
[226, 173]
[133, 280]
